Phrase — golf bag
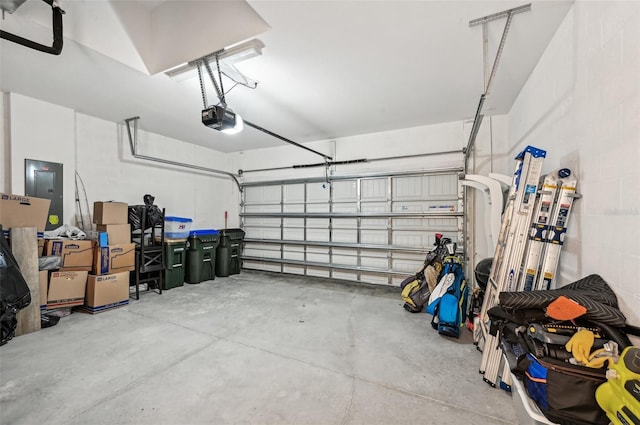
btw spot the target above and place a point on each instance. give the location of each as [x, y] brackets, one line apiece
[448, 302]
[416, 289]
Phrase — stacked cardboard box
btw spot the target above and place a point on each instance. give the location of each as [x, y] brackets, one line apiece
[24, 211]
[63, 288]
[113, 259]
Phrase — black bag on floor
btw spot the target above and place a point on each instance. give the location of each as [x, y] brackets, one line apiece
[565, 393]
[14, 292]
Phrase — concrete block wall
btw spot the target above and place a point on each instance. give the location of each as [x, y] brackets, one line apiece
[489, 155]
[99, 151]
[582, 104]
[409, 141]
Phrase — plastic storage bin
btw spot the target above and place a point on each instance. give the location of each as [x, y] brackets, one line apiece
[229, 251]
[175, 253]
[177, 227]
[201, 255]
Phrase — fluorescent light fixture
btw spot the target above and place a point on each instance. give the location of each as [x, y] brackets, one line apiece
[229, 56]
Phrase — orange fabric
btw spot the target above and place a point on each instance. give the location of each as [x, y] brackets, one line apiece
[563, 308]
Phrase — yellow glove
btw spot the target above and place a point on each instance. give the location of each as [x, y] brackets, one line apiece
[598, 362]
[598, 358]
[580, 345]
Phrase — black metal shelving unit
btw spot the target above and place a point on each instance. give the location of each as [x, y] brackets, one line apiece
[150, 261]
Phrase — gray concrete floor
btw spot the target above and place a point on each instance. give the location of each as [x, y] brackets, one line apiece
[253, 348]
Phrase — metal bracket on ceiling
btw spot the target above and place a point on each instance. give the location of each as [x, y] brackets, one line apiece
[489, 76]
[133, 145]
[204, 61]
[56, 17]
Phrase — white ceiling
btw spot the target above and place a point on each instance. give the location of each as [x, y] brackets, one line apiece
[329, 69]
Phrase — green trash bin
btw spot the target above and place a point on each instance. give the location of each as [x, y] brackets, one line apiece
[228, 252]
[174, 258]
[201, 255]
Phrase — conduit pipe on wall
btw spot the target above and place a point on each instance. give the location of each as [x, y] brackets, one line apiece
[133, 139]
[54, 49]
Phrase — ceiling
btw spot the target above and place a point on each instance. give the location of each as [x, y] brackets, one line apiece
[329, 69]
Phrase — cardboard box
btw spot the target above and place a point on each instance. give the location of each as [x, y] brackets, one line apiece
[114, 259]
[66, 289]
[110, 213]
[44, 286]
[76, 255]
[118, 233]
[106, 292]
[23, 211]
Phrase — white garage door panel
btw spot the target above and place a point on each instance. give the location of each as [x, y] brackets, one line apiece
[287, 268]
[374, 190]
[375, 237]
[261, 265]
[293, 234]
[442, 186]
[378, 263]
[262, 222]
[341, 235]
[318, 258]
[411, 239]
[345, 275]
[318, 272]
[262, 208]
[322, 207]
[346, 207]
[263, 194]
[291, 255]
[344, 191]
[404, 266]
[317, 193]
[318, 235]
[374, 207]
[318, 223]
[293, 208]
[289, 222]
[373, 253]
[261, 233]
[376, 279]
[344, 260]
[262, 253]
[293, 193]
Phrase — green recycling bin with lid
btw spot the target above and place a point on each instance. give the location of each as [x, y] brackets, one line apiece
[201, 255]
[175, 262]
[229, 251]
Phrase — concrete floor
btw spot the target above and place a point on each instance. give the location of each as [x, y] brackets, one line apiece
[253, 348]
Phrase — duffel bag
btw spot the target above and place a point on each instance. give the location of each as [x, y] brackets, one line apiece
[564, 392]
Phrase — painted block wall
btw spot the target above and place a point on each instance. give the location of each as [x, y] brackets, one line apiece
[582, 104]
[424, 139]
[489, 156]
[99, 151]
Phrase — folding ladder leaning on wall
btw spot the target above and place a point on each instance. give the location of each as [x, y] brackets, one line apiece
[509, 256]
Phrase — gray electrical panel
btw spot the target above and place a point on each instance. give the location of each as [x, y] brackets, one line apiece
[43, 179]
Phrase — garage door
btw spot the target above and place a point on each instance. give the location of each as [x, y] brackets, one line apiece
[373, 228]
